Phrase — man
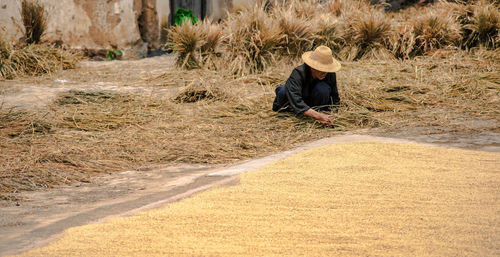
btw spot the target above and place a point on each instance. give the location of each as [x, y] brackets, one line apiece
[313, 83]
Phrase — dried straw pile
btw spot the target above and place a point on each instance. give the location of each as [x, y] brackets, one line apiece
[431, 91]
[33, 60]
[350, 199]
[255, 38]
[34, 20]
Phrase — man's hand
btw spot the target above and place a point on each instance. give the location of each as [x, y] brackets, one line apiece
[321, 117]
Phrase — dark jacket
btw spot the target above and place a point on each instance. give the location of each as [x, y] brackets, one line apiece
[300, 84]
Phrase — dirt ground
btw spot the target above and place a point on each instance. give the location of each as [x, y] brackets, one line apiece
[44, 213]
[129, 75]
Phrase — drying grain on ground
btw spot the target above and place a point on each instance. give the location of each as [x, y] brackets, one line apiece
[348, 199]
[398, 73]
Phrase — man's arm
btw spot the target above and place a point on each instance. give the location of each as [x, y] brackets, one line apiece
[321, 117]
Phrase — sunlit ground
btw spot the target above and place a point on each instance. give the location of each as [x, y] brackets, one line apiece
[349, 199]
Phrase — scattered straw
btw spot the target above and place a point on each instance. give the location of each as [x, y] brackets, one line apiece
[216, 117]
[254, 39]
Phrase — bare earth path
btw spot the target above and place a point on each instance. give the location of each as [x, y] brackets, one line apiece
[89, 75]
[28, 224]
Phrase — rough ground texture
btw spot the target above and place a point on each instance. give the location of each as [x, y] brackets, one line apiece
[350, 199]
[124, 115]
[34, 93]
[44, 214]
[156, 77]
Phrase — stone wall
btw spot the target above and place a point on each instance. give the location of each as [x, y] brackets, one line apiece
[96, 24]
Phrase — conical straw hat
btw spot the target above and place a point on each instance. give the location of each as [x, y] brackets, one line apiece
[321, 59]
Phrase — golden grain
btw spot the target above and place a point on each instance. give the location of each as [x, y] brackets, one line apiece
[349, 199]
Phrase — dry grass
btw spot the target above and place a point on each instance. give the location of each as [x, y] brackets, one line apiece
[335, 7]
[422, 92]
[197, 45]
[367, 35]
[220, 118]
[34, 60]
[88, 133]
[328, 33]
[210, 50]
[186, 40]
[298, 33]
[303, 8]
[5, 48]
[34, 20]
[354, 30]
[479, 21]
[484, 28]
[403, 41]
[435, 30]
[253, 38]
[202, 90]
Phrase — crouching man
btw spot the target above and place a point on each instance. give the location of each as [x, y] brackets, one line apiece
[313, 83]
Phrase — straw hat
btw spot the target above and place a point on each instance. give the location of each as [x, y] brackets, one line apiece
[321, 59]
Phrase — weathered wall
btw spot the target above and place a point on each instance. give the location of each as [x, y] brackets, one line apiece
[84, 24]
[243, 3]
[11, 28]
[163, 9]
[130, 25]
[149, 28]
[96, 24]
